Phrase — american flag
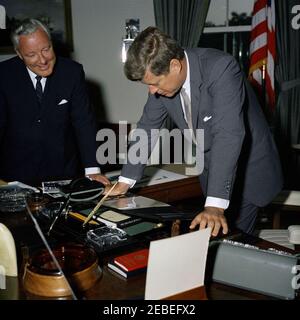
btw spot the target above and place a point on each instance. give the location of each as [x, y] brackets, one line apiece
[263, 50]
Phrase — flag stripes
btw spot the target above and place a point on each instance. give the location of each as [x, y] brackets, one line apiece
[263, 50]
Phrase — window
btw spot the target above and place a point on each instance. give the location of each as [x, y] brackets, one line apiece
[227, 27]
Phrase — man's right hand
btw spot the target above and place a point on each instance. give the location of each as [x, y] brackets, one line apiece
[120, 188]
[212, 217]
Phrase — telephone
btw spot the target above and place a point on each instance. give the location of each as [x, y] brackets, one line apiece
[82, 189]
[267, 271]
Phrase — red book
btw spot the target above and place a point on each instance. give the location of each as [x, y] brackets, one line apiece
[133, 261]
[126, 274]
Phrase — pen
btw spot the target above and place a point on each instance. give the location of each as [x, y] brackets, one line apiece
[81, 217]
[98, 205]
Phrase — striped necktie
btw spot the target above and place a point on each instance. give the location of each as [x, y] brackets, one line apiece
[187, 108]
[39, 88]
[188, 112]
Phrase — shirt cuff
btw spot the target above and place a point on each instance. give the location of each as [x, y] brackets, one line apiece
[129, 181]
[92, 170]
[216, 202]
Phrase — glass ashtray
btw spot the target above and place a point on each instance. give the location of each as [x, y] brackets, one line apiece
[105, 237]
[13, 199]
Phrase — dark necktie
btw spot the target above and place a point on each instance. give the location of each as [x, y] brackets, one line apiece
[39, 88]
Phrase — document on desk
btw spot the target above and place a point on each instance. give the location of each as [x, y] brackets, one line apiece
[134, 202]
[176, 264]
[151, 176]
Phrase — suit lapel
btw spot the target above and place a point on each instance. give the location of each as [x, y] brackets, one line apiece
[26, 83]
[175, 110]
[196, 82]
[49, 91]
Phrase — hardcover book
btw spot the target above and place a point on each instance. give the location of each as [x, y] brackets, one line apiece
[141, 227]
[126, 274]
[112, 218]
[116, 219]
[133, 261]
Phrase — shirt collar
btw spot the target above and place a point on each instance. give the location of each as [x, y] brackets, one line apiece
[186, 85]
[32, 75]
[33, 79]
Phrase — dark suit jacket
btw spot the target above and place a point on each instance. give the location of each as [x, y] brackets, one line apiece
[48, 141]
[238, 147]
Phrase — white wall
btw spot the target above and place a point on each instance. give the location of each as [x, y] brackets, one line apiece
[98, 27]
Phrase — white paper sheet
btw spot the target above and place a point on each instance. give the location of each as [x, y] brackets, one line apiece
[176, 264]
[152, 176]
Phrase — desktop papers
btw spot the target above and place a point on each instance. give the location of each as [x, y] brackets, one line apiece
[176, 264]
[22, 185]
[134, 202]
[152, 176]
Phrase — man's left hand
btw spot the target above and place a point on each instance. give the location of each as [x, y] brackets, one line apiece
[99, 177]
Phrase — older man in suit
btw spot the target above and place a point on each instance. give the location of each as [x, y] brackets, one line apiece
[47, 130]
[242, 171]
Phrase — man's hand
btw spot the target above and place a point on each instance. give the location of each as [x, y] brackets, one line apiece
[99, 177]
[120, 188]
[211, 217]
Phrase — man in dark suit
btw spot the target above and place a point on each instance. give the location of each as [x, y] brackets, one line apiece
[47, 130]
[241, 171]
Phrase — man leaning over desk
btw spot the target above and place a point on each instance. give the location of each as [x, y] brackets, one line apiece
[242, 171]
[47, 129]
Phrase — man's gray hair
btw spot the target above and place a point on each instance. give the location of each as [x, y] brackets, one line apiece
[27, 26]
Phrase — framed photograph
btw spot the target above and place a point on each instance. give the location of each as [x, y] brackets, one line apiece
[56, 14]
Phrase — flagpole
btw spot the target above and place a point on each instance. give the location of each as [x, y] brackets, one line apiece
[262, 54]
[263, 86]
[265, 106]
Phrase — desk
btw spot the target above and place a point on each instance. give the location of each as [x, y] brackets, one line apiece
[173, 191]
[111, 286]
[174, 188]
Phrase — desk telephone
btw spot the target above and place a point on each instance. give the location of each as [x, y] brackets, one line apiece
[82, 189]
[249, 267]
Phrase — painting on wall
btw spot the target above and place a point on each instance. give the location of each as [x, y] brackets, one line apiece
[56, 14]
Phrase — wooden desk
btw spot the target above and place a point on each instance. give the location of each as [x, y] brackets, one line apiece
[173, 191]
[111, 286]
[188, 187]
